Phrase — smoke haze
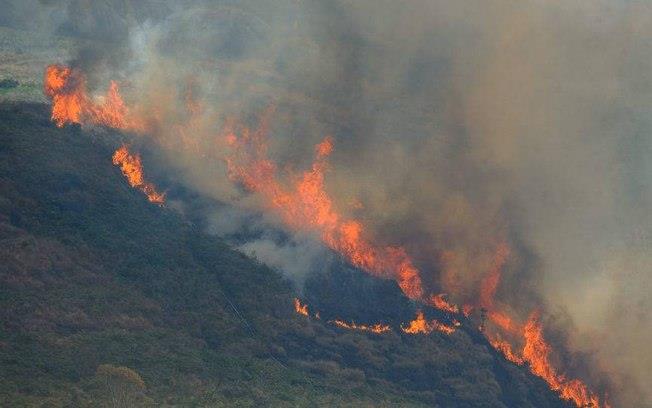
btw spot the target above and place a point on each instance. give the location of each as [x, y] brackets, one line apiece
[457, 126]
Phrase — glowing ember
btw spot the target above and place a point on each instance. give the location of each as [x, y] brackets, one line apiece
[307, 206]
[421, 326]
[66, 87]
[299, 308]
[132, 168]
[375, 328]
[440, 302]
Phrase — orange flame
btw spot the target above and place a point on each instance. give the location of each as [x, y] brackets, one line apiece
[299, 308]
[440, 302]
[132, 168]
[491, 281]
[421, 326]
[488, 289]
[503, 321]
[307, 206]
[506, 349]
[537, 353]
[375, 328]
[66, 87]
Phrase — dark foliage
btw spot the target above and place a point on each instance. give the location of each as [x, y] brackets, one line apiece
[91, 273]
[8, 83]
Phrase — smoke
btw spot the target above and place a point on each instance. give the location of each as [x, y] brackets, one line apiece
[296, 259]
[458, 126]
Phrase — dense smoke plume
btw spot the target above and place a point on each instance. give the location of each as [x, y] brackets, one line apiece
[458, 127]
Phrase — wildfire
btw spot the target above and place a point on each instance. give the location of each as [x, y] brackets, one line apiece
[67, 89]
[132, 168]
[421, 326]
[375, 328]
[506, 349]
[537, 353]
[440, 302]
[488, 289]
[491, 281]
[307, 206]
[300, 308]
[417, 326]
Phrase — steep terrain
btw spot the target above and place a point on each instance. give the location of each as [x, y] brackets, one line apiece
[92, 273]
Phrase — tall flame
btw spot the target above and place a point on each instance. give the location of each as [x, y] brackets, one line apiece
[66, 87]
[300, 308]
[537, 353]
[132, 168]
[488, 288]
[307, 206]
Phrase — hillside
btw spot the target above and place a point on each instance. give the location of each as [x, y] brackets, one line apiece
[94, 274]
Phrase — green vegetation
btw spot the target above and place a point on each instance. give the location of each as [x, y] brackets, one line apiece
[105, 294]
[24, 54]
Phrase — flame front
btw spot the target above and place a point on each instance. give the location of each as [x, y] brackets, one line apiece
[132, 168]
[421, 326]
[377, 328]
[489, 287]
[505, 348]
[537, 353]
[307, 206]
[66, 87]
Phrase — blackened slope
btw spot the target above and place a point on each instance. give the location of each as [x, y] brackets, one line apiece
[92, 273]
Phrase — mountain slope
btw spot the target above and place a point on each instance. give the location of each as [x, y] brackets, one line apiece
[91, 273]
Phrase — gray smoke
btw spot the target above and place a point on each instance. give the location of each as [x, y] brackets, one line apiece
[457, 126]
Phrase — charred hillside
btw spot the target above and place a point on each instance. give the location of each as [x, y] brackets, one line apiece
[92, 273]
